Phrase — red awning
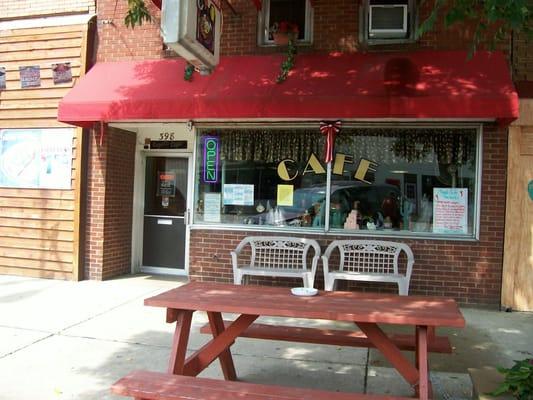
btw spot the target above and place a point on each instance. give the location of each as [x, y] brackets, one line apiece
[419, 85]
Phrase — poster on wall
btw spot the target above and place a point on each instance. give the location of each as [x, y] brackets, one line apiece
[212, 207]
[36, 158]
[62, 73]
[30, 76]
[2, 78]
[238, 195]
[450, 210]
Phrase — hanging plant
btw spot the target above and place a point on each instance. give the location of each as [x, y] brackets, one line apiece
[189, 71]
[285, 34]
[287, 65]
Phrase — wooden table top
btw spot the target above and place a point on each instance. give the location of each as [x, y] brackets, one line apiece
[334, 306]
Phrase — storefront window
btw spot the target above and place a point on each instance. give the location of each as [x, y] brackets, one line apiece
[409, 180]
[260, 177]
[381, 180]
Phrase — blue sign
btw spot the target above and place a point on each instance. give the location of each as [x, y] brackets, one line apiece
[530, 189]
[211, 159]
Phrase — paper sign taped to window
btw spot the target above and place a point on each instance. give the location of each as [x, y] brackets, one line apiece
[450, 210]
[238, 195]
[285, 195]
[212, 207]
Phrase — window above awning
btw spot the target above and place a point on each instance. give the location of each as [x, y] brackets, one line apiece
[427, 85]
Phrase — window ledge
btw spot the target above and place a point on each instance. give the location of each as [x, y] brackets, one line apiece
[377, 42]
[362, 232]
[299, 43]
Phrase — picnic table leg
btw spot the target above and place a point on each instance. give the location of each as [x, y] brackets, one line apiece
[181, 338]
[391, 352]
[424, 390]
[226, 361]
[204, 356]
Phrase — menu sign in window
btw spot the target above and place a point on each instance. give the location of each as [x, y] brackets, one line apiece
[450, 210]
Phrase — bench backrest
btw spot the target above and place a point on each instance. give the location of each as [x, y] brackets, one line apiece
[279, 252]
[370, 256]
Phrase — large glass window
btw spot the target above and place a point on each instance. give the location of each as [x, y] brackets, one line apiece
[381, 180]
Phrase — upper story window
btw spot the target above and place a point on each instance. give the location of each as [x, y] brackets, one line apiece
[388, 21]
[293, 12]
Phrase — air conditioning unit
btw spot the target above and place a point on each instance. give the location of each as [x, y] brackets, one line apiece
[192, 29]
[387, 21]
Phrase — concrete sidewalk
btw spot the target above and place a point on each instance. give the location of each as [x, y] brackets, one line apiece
[66, 340]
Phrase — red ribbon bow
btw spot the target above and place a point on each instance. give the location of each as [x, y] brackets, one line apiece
[330, 129]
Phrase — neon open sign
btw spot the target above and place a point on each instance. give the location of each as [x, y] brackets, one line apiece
[211, 154]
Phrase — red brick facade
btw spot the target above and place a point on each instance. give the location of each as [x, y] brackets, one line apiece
[14, 9]
[470, 271]
[109, 204]
[467, 271]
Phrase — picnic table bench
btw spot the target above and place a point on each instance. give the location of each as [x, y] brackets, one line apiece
[366, 310]
[149, 385]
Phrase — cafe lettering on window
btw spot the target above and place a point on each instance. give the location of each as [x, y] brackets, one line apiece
[288, 172]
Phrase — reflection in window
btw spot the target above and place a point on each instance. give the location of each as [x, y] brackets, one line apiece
[403, 173]
[401, 180]
[266, 178]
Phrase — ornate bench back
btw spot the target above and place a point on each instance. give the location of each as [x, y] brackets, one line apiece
[280, 252]
[368, 256]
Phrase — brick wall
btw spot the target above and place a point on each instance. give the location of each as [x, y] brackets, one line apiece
[336, 28]
[11, 9]
[522, 58]
[116, 42]
[468, 271]
[109, 204]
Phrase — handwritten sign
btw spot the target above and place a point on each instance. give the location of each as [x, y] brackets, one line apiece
[450, 210]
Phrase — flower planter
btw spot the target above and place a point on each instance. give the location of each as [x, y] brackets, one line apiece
[282, 39]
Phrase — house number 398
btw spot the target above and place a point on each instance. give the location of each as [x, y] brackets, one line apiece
[166, 136]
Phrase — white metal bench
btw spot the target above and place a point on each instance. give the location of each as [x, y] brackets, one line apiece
[368, 260]
[276, 256]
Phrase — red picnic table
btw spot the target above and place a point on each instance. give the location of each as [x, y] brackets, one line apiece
[365, 310]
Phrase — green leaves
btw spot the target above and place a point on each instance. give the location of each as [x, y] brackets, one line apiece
[518, 380]
[137, 13]
[287, 65]
[492, 19]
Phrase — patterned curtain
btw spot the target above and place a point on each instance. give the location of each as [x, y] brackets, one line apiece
[382, 145]
[446, 146]
[270, 145]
